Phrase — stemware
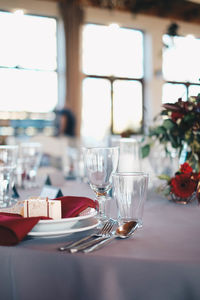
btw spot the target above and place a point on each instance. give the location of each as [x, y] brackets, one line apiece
[29, 158]
[100, 164]
[8, 158]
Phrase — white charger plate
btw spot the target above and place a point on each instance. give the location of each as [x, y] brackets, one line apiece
[64, 224]
[86, 225]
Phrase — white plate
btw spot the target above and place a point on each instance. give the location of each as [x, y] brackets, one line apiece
[87, 225]
[65, 223]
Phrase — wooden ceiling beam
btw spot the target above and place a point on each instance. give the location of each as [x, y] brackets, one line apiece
[173, 9]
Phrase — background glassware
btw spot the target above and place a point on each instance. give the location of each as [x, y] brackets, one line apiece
[8, 160]
[29, 159]
[129, 155]
[100, 163]
[130, 191]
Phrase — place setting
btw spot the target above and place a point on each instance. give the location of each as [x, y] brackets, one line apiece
[129, 192]
[49, 217]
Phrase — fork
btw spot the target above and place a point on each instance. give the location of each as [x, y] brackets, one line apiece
[103, 232]
[99, 239]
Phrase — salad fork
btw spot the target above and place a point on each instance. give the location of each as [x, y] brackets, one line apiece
[103, 232]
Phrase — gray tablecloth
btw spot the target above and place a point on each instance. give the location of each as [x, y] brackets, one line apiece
[161, 261]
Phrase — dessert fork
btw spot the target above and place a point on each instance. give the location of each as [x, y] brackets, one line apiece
[103, 232]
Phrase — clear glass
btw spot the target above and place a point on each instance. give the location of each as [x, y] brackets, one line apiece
[29, 159]
[100, 164]
[8, 159]
[171, 92]
[112, 50]
[127, 106]
[129, 155]
[96, 120]
[179, 55]
[130, 192]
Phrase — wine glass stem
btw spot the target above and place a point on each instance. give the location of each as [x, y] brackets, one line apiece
[101, 200]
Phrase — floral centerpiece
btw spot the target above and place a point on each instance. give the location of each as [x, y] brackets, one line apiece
[180, 129]
[184, 187]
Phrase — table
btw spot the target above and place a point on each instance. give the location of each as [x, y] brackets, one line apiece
[161, 261]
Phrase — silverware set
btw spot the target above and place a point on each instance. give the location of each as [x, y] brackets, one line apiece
[105, 235]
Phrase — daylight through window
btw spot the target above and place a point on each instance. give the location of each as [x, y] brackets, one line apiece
[112, 63]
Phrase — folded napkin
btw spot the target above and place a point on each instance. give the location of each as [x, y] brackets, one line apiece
[72, 206]
[14, 227]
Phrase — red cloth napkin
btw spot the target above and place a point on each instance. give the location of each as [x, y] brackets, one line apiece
[72, 206]
[13, 227]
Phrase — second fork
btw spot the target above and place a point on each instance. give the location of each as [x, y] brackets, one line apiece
[103, 232]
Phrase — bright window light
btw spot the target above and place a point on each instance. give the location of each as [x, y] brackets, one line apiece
[181, 58]
[112, 62]
[127, 106]
[96, 112]
[172, 92]
[28, 62]
[112, 50]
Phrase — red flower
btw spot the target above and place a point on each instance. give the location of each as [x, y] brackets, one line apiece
[182, 185]
[185, 168]
[176, 115]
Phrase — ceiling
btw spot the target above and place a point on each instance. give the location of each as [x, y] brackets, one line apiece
[181, 10]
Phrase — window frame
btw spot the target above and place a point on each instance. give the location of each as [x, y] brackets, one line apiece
[112, 79]
[187, 84]
[17, 122]
[20, 68]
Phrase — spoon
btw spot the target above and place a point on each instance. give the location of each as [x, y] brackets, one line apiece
[123, 231]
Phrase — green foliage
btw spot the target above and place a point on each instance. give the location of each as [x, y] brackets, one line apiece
[145, 150]
[169, 124]
[180, 125]
[164, 177]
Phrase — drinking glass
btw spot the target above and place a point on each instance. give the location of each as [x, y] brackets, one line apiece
[129, 155]
[29, 159]
[100, 163]
[8, 160]
[130, 191]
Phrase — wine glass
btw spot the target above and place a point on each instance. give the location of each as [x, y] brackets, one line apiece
[29, 159]
[8, 158]
[100, 164]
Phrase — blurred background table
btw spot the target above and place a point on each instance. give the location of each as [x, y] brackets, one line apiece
[161, 261]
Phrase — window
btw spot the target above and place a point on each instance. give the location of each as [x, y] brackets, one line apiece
[28, 70]
[112, 63]
[181, 67]
[28, 63]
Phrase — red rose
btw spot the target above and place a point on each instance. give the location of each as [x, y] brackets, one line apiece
[182, 185]
[176, 115]
[185, 168]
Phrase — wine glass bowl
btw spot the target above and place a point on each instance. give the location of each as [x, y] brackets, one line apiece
[100, 163]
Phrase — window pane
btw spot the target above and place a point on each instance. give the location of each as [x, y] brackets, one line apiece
[28, 61]
[23, 90]
[172, 92]
[28, 41]
[111, 50]
[96, 109]
[127, 106]
[181, 58]
[194, 90]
